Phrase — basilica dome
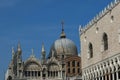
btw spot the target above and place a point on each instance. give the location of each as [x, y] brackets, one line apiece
[64, 46]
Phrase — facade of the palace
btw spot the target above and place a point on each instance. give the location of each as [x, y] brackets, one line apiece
[100, 45]
[63, 63]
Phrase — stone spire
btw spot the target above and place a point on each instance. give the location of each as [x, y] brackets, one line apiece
[19, 47]
[43, 54]
[62, 35]
[43, 48]
[32, 53]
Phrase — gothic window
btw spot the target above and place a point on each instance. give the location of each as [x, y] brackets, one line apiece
[78, 64]
[56, 73]
[28, 73]
[105, 41]
[73, 63]
[48, 73]
[78, 70]
[62, 56]
[19, 64]
[97, 29]
[32, 73]
[25, 73]
[112, 18]
[35, 73]
[73, 70]
[68, 70]
[90, 50]
[68, 64]
[38, 73]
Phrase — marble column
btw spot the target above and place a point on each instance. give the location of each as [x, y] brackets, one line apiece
[58, 74]
[109, 76]
[41, 75]
[61, 74]
[113, 76]
[117, 75]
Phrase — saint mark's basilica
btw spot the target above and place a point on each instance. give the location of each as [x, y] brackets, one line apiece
[62, 62]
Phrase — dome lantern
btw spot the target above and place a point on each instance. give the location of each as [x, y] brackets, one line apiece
[62, 35]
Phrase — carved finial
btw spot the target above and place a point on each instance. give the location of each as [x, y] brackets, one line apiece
[13, 50]
[19, 46]
[32, 53]
[43, 48]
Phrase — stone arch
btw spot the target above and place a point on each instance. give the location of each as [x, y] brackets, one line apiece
[28, 63]
[32, 68]
[53, 64]
[90, 49]
[105, 41]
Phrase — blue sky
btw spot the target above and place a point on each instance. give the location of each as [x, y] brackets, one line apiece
[35, 21]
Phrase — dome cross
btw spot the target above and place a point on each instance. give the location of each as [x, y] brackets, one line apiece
[62, 25]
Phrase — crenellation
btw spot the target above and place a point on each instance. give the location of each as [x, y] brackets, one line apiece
[112, 5]
[97, 16]
[90, 23]
[116, 1]
[105, 10]
[108, 7]
[101, 14]
[94, 19]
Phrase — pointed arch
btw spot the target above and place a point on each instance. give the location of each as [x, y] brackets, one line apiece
[105, 41]
[90, 46]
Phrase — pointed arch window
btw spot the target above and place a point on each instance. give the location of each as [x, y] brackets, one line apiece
[73, 63]
[90, 50]
[68, 64]
[73, 70]
[78, 70]
[105, 41]
[68, 70]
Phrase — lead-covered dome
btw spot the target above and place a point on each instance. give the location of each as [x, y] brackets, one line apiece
[63, 46]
